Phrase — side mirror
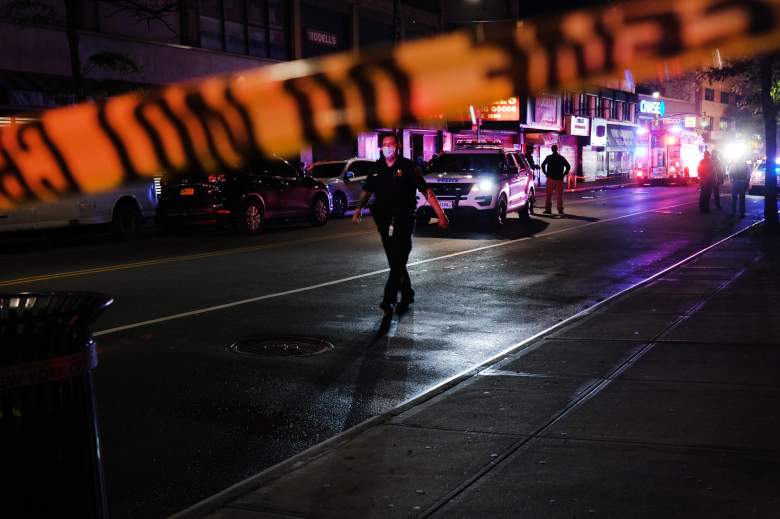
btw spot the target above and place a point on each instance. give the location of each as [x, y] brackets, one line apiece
[349, 175]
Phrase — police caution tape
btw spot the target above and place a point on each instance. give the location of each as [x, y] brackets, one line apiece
[227, 121]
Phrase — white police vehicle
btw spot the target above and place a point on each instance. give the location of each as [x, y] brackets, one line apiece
[126, 210]
[480, 180]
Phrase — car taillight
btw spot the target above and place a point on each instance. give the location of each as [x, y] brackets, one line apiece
[217, 178]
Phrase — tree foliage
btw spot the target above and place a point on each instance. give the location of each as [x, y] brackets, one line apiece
[745, 76]
[29, 12]
[36, 12]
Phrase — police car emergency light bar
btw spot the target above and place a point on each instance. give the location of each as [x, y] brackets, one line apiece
[226, 121]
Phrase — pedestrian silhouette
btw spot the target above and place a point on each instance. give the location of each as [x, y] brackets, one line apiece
[556, 167]
[706, 170]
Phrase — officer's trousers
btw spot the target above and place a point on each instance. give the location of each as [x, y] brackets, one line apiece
[704, 196]
[397, 249]
[738, 188]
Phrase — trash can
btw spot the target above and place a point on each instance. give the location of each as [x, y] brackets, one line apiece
[50, 445]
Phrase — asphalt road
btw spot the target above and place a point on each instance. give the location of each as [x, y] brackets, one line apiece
[183, 416]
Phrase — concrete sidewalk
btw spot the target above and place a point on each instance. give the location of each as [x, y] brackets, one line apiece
[663, 402]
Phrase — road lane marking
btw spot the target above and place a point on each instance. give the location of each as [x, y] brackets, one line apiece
[171, 259]
[202, 255]
[308, 288]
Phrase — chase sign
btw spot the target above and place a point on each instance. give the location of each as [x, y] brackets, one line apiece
[648, 106]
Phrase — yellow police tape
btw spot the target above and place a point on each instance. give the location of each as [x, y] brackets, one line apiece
[226, 121]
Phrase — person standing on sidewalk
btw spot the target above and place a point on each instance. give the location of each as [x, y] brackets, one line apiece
[740, 176]
[718, 178]
[394, 181]
[706, 172]
[555, 167]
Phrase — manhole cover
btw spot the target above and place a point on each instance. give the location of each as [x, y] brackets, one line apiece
[284, 346]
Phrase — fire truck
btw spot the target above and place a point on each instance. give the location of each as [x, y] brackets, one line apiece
[667, 155]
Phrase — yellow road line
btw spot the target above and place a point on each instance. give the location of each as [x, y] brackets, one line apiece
[171, 259]
[211, 254]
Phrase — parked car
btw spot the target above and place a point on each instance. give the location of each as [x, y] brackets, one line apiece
[758, 177]
[126, 210]
[480, 181]
[345, 179]
[266, 190]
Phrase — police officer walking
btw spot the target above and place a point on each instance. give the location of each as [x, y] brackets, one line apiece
[395, 181]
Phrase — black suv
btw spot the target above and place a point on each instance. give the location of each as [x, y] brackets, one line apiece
[271, 188]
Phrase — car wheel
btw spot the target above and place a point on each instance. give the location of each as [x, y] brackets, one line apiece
[252, 216]
[127, 220]
[422, 218]
[319, 211]
[339, 205]
[527, 210]
[499, 216]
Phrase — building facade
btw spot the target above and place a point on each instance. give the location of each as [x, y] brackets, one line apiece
[601, 123]
[187, 40]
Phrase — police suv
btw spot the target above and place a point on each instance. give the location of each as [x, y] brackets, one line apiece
[480, 180]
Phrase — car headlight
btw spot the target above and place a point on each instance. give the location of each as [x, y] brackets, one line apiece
[484, 186]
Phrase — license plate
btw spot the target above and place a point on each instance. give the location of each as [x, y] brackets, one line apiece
[445, 204]
[187, 191]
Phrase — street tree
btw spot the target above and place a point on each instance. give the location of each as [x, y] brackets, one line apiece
[43, 12]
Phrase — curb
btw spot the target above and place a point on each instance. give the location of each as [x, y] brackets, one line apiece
[212, 503]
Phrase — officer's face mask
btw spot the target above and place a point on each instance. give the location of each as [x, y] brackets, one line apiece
[389, 151]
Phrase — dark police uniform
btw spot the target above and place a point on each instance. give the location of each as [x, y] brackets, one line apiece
[395, 191]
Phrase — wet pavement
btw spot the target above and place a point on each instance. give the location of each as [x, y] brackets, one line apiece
[585, 421]
[184, 416]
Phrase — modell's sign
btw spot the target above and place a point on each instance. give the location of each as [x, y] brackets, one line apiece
[503, 110]
[322, 37]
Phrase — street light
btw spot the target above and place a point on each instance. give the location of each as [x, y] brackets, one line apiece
[735, 150]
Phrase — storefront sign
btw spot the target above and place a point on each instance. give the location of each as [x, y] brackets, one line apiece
[546, 110]
[322, 37]
[502, 110]
[646, 106]
[598, 134]
[578, 126]
[690, 121]
[620, 137]
[672, 121]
